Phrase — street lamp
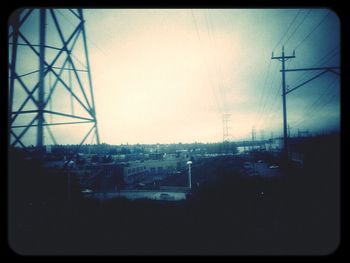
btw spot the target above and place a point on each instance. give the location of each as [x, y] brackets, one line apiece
[189, 174]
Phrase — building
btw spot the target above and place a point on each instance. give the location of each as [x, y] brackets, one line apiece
[137, 171]
[113, 173]
[133, 172]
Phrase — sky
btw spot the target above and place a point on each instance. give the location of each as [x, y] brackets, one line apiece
[169, 75]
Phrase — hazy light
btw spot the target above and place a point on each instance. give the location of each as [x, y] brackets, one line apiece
[169, 75]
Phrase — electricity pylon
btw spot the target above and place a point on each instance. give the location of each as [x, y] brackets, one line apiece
[50, 86]
[226, 128]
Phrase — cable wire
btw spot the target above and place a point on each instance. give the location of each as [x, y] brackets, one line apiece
[317, 26]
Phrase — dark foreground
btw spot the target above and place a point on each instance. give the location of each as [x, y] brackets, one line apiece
[293, 214]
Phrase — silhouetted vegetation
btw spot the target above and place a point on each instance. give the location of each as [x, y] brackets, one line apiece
[227, 213]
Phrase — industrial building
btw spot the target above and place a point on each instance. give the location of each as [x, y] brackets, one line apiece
[151, 169]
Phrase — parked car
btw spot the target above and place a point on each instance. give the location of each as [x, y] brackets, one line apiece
[165, 196]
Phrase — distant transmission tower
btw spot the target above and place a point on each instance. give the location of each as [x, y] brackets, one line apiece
[226, 127]
[50, 86]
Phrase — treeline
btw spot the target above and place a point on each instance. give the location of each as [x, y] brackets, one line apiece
[200, 148]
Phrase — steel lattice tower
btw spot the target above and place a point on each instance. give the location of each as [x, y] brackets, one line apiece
[50, 86]
[226, 127]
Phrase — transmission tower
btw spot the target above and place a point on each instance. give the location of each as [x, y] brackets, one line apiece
[226, 127]
[50, 86]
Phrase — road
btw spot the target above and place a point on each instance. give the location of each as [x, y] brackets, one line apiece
[141, 194]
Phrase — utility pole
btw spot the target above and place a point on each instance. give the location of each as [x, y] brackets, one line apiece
[283, 59]
[252, 152]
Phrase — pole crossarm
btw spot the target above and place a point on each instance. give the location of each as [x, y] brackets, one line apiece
[285, 58]
[306, 69]
[325, 70]
[307, 81]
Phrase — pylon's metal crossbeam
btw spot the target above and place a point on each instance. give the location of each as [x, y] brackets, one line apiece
[52, 124]
[55, 113]
[48, 68]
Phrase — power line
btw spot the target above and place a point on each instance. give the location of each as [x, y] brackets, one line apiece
[217, 101]
[274, 107]
[324, 18]
[274, 99]
[317, 103]
[262, 97]
[88, 39]
[318, 106]
[270, 117]
[290, 25]
[267, 118]
[302, 76]
[266, 101]
[302, 21]
[195, 23]
[213, 42]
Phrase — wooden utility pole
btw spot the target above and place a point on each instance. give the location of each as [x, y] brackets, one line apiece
[283, 59]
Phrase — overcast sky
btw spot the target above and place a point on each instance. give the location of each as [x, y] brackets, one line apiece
[169, 75]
